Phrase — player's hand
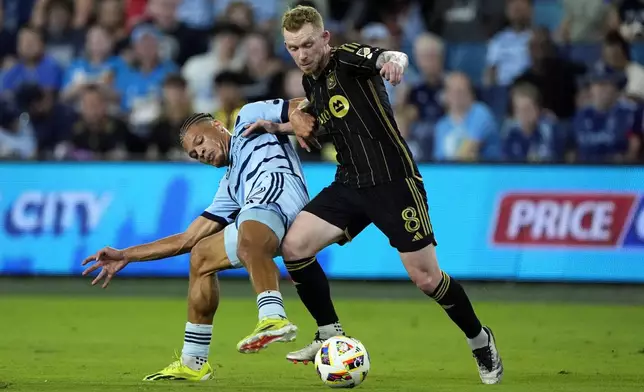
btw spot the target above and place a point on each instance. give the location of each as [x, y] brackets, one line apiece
[393, 72]
[110, 261]
[261, 125]
[303, 125]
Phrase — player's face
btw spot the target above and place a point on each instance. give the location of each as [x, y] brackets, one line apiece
[307, 46]
[207, 142]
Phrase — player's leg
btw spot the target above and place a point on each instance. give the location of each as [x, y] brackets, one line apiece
[410, 231]
[206, 259]
[329, 218]
[260, 232]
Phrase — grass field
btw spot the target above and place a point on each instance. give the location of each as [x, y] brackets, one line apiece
[86, 340]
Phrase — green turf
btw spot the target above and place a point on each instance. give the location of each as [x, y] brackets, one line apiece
[108, 343]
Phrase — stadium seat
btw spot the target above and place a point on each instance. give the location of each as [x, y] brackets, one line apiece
[548, 13]
[468, 58]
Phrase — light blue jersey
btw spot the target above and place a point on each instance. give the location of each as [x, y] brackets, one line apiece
[264, 181]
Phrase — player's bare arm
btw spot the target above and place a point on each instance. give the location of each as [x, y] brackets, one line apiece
[111, 260]
[392, 65]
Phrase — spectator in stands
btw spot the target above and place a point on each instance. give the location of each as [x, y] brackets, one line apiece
[616, 54]
[554, 76]
[627, 16]
[139, 83]
[62, 41]
[584, 21]
[468, 132]
[178, 41]
[97, 135]
[224, 54]
[231, 99]
[14, 14]
[293, 87]
[247, 14]
[263, 70]
[110, 15]
[164, 141]
[606, 130]
[97, 66]
[17, 139]
[33, 65]
[51, 121]
[425, 100]
[507, 51]
[531, 134]
[197, 14]
[466, 20]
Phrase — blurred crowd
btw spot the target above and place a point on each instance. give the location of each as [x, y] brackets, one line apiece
[489, 80]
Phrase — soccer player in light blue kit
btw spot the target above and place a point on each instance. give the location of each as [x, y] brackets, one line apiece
[257, 200]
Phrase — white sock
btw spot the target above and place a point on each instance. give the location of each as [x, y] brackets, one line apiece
[270, 305]
[330, 330]
[196, 345]
[481, 340]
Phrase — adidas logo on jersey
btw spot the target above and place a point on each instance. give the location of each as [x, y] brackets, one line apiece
[417, 237]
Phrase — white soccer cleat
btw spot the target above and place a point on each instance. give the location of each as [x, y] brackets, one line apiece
[306, 354]
[489, 361]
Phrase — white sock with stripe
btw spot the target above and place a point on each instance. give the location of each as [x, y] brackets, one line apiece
[270, 305]
[196, 345]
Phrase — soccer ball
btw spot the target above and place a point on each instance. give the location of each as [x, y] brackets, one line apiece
[342, 362]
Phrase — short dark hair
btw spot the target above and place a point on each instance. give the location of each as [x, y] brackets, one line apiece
[229, 77]
[175, 80]
[193, 119]
[614, 38]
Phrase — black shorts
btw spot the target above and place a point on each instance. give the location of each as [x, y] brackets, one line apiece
[397, 208]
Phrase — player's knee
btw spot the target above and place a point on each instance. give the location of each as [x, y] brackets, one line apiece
[255, 244]
[294, 248]
[425, 280]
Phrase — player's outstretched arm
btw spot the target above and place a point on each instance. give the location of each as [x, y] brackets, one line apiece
[111, 260]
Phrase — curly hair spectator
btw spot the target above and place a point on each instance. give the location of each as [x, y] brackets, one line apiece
[531, 134]
[163, 141]
[468, 131]
[607, 129]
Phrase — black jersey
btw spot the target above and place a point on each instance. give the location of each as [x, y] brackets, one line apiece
[353, 111]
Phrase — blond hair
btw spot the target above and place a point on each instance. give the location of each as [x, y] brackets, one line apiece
[295, 18]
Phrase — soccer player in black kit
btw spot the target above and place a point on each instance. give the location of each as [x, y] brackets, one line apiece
[377, 182]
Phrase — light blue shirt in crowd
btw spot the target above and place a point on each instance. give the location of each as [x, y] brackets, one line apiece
[508, 52]
[478, 124]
